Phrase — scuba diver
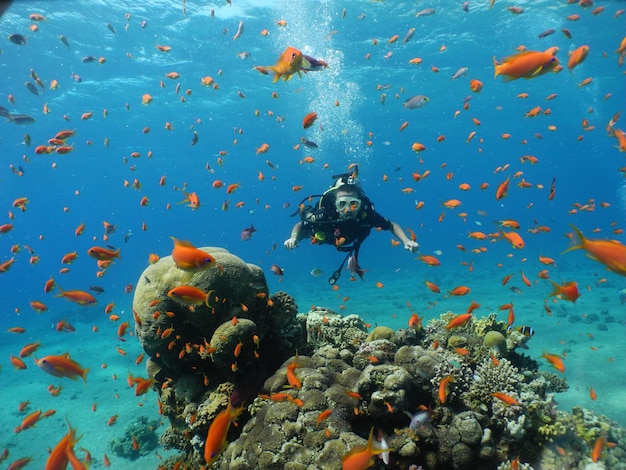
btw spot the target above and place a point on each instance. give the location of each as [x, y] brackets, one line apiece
[343, 217]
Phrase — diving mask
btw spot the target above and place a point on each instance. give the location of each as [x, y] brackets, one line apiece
[347, 205]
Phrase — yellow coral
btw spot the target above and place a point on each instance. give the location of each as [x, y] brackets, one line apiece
[552, 430]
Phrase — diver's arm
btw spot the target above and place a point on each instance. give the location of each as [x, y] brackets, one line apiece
[408, 243]
[292, 242]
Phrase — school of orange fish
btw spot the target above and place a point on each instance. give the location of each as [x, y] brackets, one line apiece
[521, 64]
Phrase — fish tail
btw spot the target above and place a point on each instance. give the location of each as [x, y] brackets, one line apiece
[557, 289]
[206, 299]
[60, 290]
[581, 239]
[496, 66]
[83, 374]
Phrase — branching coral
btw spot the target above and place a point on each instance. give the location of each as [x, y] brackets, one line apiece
[490, 378]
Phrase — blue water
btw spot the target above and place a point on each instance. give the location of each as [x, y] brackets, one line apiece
[87, 184]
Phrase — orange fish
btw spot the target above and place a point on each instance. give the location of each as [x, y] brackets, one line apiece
[188, 258]
[432, 287]
[80, 297]
[191, 199]
[361, 457]
[503, 189]
[555, 360]
[458, 320]
[309, 119]
[459, 290]
[415, 322]
[513, 238]
[263, 148]
[29, 349]
[476, 85]
[291, 61]
[6, 265]
[525, 64]
[429, 260]
[103, 254]
[322, 416]
[29, 421]
[216, 436]
[509, 400]
[62, 366]
[189, 295]
[444, 388]
[577, 56]
[293, 381]
[38, 306]
[566, 291]
[17, 363]
[63, 452]
[597, 449]
[610, 253]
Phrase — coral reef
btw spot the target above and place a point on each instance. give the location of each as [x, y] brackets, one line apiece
[315, 384]
[140, 438]
[200, 355]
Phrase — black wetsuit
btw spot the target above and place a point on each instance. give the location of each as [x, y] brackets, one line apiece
[328, 228]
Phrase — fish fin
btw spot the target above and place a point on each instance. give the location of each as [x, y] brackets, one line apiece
[206, 300]
[515, 56]
[537, 71]
[186, 243]
[186, 277]
[496, 67]
[306, 63]
[271, 68]
[581, 239]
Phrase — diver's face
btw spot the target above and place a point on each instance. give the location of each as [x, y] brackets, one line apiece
[347, 205]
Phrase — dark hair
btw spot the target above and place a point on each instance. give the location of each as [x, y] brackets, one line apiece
[348, 188]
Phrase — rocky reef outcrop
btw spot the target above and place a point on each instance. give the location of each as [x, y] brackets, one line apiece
[314, 385]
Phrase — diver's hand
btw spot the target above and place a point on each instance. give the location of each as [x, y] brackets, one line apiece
[291, 243]
[411, 246]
